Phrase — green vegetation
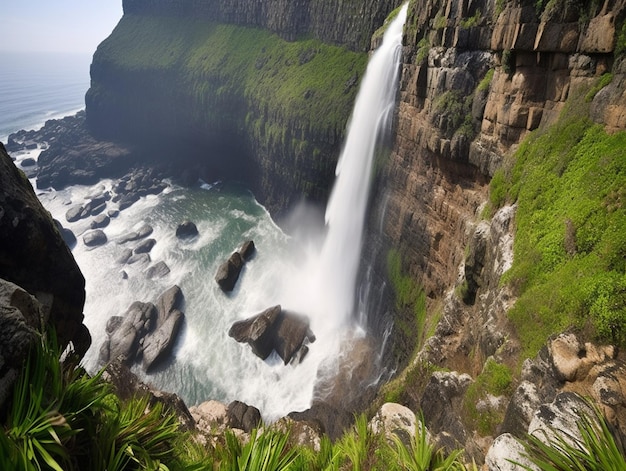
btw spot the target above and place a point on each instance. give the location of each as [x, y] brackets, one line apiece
[304, 81]
[595, 450]
[620, 43]
[61, 418]
[603, 81]
[483, 85]
[423, 47]
[57, 410]
[569, 265]
[410, 301]
[455, 113]
[495, 380]
[508, 62]
[471, 21]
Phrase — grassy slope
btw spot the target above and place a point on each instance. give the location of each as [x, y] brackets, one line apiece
[302, 82]
[570, 246]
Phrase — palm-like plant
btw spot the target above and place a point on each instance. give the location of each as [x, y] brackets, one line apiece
[594, 450]
[265, 450]
[420, 455]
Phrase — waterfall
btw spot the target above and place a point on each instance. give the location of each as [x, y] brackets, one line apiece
[346, 210]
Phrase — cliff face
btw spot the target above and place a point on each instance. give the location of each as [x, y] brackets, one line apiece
[50, 291]
[214, 83]
[477, 78]
[348, 23]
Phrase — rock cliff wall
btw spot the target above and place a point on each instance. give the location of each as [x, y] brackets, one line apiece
[348, 23]
[478, 77]
[214, 82]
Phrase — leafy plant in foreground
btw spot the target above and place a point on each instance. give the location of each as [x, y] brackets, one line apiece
[420, 455]
[595, 450]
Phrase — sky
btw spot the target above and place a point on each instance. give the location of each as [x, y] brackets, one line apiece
[75, 26]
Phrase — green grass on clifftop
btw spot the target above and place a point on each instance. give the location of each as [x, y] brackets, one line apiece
[304, 81]
[569, 271]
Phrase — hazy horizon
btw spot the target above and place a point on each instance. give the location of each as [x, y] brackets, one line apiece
[71, 26]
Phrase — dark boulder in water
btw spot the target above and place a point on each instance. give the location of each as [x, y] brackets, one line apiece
[95, 238]
[186, 230]
[145, 246]
[274, 330]
[139, 259]
[158, 270]
[75, 213]
[228, 272]
[247, 250]
[144, 231]
[146, 332]
[126, 254]
[100, 221]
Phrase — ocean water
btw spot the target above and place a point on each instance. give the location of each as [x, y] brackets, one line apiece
[304, 274]
[35, 87]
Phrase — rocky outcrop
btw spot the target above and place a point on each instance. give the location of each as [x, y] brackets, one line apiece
[275, 330]
[349, 23]
[35, 257]
[21, 320]
[476, 79]
[146, 332]
[229, 271]
[186, 230]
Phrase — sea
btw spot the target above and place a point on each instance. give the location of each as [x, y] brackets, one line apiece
[310, 271]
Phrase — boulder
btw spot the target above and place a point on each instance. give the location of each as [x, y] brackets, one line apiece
[158, 344]
[75, 213]
[100, 221]
[158, 270]
[20, 317]
[139, 259]
[243, 416]
[274, 330]
[228, 272]
[145, 246]
[126, 254]
[142, 232]
[247, 250]
[210, 416]
[395, 419]
[28, 162]
[442, 403]
[504, 452]
[35, 257]
[186, 230]
[145, 332]
[95, 238]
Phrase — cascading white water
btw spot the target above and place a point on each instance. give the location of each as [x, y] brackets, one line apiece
[318, 281]
[346, 210]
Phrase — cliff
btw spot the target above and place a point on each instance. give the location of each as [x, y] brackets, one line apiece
[258, 91]
[495, 189]
[41, 285]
